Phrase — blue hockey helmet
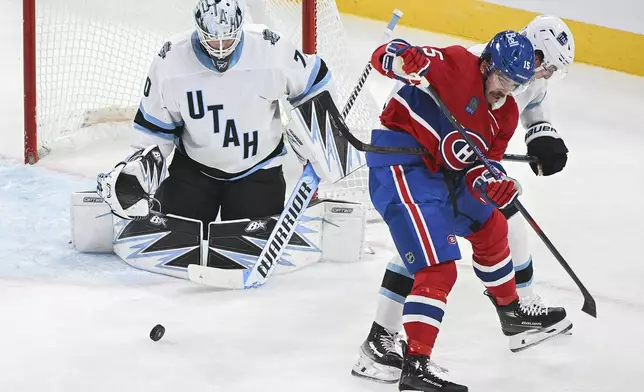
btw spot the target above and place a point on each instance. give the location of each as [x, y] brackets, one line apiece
[511, 54]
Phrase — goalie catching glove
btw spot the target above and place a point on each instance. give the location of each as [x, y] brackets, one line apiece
[129, 188]
[499, 193]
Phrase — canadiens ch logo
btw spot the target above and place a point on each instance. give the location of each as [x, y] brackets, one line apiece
[451, 239]
[455, 151]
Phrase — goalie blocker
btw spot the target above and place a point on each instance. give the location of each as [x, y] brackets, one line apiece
[315, 132]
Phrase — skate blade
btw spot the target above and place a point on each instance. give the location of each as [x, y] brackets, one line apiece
[368, 369]
[527, 339]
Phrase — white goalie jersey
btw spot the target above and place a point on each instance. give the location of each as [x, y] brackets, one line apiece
[226, 121]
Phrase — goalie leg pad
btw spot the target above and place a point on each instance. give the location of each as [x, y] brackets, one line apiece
[163, 244]
[237, 244]
[343, 231]
[91, 223]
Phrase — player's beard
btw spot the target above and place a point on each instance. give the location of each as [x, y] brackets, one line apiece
[496, 90]
[495, 99]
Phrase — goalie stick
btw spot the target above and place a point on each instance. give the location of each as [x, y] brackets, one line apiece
[275, 245]
[287, 222]
[589, 306]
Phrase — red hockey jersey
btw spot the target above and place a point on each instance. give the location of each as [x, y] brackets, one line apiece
[455, 75]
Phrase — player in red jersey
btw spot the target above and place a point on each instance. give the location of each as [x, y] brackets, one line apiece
[427, 201]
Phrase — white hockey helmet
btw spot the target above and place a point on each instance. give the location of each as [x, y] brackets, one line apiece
[219, 26]
[550, 35]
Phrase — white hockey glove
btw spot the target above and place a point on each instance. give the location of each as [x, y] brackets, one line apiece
[129, 188]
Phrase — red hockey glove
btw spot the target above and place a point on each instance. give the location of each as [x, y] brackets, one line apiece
[406, 62]
[415, 62]
[484, 186]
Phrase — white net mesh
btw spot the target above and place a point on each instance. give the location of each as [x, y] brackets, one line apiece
[93, 55]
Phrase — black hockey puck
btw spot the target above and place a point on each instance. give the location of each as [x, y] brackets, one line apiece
[157, 332]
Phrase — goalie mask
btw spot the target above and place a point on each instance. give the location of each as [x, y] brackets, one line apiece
[219, 26]
[129, 188]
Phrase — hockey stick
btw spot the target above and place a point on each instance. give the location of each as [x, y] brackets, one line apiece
[275, 245]
[397, 14]
[589, 306]
[366, 147]
[287, 222]
[520, 158]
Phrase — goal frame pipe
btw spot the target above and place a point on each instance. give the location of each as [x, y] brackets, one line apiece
[29, 81]
[309, 26]
[309, 37]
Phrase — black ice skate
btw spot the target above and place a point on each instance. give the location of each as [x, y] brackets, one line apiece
[527, 322]
[419, 375]
[534, 302]
[378, 358]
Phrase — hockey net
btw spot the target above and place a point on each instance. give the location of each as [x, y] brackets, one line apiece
[89, 59]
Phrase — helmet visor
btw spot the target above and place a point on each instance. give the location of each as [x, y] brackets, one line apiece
[497, 82]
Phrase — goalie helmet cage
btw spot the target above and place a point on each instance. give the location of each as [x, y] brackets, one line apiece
[85, 63]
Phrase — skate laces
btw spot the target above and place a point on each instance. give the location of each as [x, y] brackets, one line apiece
[437, 370]
[388, 341]
[533, 305]
[431, 365]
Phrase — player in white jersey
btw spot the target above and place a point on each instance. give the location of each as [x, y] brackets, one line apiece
[554, 52]
[379, 357]
[211, 96]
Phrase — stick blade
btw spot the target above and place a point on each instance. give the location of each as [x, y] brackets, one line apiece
[590, 307]
[216, 277]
